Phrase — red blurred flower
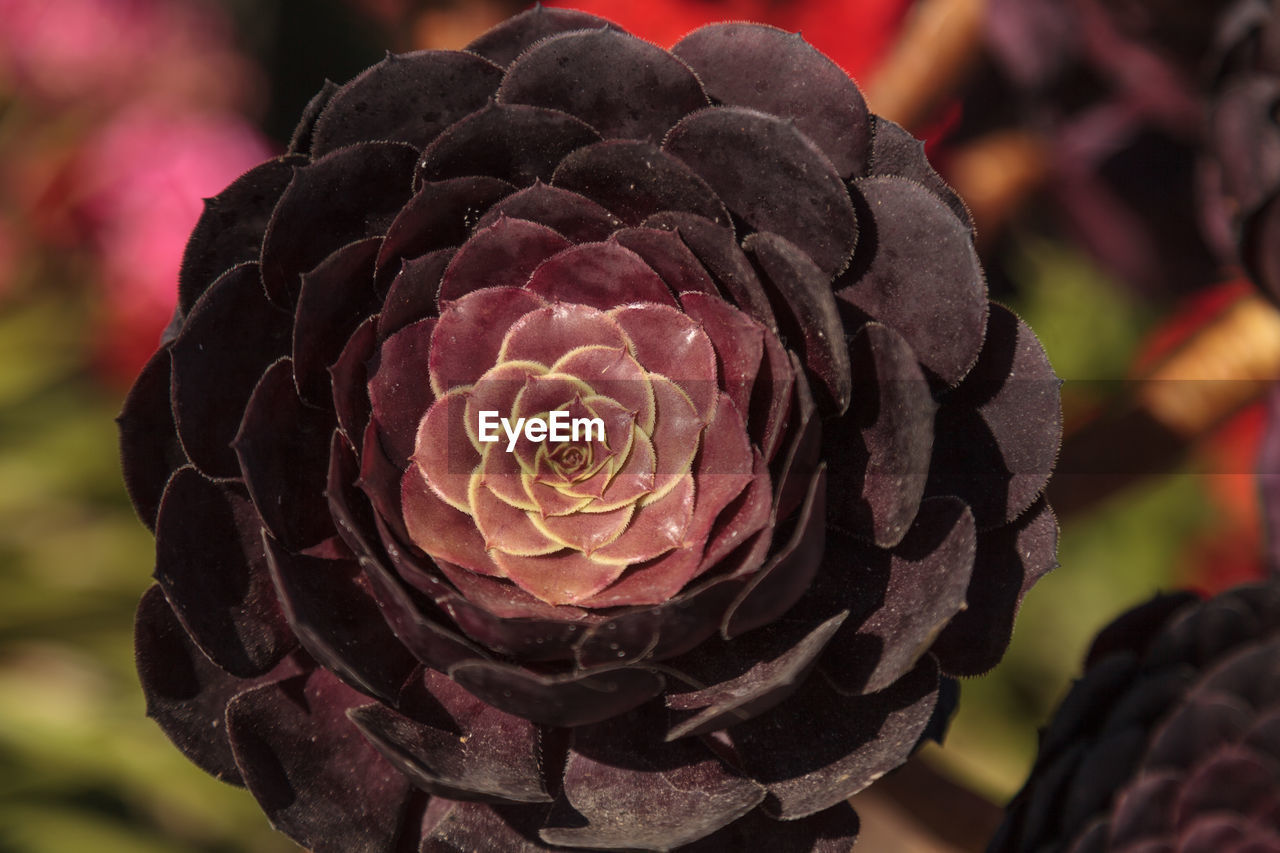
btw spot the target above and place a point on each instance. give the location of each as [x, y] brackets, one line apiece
[856, 34]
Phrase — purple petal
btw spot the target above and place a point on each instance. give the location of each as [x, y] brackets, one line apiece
[210, 563]
[349, 378]
[894, 151]
[413, 292]
[784, 578]
[781, 657]
[230, 337]
[620, 85]
[469, 336]
[776, 72]
[738, 341]
[407, 97]
[335, 298]
[918, 273]
[515, 143]
[773, 177]
[503, 254]
[475, 753]
[514, 36]
[880, 452]
[149, 448]
[633, 790]
[300, 141]
[1246, 140]
[906, 597]
[558, 700]
[283, 449]
[830, 831]
[186, 694]
[863, 737]
[338, 621]
[997, 435]
[577, 218]
[440, 214]
[720, 254]
[806, 310]
[667, 342]
[656, 633]
[670, 258]
[347, 195]
[231, 227]
[602, 275]
[319, 781]
[1009, 560]
[637, 179]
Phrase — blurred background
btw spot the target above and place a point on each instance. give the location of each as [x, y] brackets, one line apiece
[1076, 148]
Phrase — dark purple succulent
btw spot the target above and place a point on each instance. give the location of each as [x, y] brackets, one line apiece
[806, 491]
[1171, 739]
[1244, 134]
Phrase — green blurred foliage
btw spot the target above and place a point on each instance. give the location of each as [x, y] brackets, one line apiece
[81, 767]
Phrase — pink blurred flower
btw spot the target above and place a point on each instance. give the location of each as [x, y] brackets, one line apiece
[141, 178]
[101, 51]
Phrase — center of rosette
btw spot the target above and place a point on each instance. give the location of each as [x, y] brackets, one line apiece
[570, 457]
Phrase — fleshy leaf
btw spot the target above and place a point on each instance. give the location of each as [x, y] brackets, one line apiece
[622, 86]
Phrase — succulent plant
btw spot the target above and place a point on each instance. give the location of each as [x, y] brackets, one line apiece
[1170, 739]
[806, 491]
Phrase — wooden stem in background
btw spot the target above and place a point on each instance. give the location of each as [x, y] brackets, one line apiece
[929, 62]
[1227, 365]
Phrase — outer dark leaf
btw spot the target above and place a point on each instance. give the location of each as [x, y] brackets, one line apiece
[300, 757]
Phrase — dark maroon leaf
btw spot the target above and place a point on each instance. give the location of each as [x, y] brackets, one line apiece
[773, 177]
[516, 143]
[927, 575]
[440, 214]
[301, 759]
[347, 195]
[918, 274]
[187, 695]
[879, 455]
[1009, 560]
[862, 738]
[149, 447]
[408, 97]
[776, 72]
[335, 298]
[300, 142]
[338, 622]
[398, 404]
[558, 700]
[806, 309]
[210, 563]
[896, 152]
[348, 378]
[283, 449]
[581, 73]
[514, 36]
[636, 179]
[230, 338]
[413, 293]
[482, 754]
[634, 790]
[578, 218]
[997, 435]
[503, 254]
[231, 227]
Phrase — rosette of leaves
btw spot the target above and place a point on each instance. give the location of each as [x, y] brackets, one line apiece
[1245, 134]
[817, 495]
[1170, 739]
